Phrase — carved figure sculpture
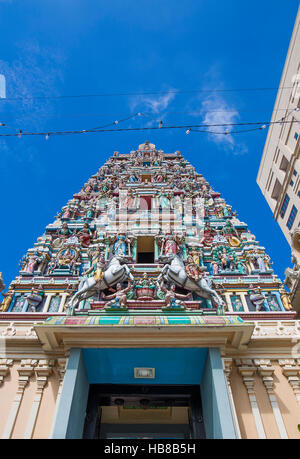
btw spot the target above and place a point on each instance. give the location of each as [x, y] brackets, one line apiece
[174, 300]
[119, 298]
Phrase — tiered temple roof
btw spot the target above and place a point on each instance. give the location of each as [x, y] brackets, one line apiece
[147, 236]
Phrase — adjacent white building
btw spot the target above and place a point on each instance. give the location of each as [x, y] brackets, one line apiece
[279, 172]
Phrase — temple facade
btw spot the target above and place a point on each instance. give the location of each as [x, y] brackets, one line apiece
[148, 310]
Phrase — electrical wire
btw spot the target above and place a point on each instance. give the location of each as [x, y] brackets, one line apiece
[146, 93]
[189, 127]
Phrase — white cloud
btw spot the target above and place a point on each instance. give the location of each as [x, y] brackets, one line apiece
[214, 108]
[153, 105]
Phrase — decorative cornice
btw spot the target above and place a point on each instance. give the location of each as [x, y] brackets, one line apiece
[149, 331]
[4, 368]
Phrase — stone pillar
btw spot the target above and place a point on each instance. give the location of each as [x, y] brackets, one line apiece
[291, 371]
[247, 370]
[217, 413]
[69, 421]
[25, 371]
[227, 370]
[61, 369]
[266, 371]
[42, 371]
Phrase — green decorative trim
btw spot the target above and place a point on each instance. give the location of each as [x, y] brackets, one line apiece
[124, 320]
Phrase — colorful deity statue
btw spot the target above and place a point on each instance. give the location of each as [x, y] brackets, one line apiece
[8, 296]
[177, 206]
[67, 212]
[97, 265]
[208, 235]
[163, 199]
[174, 300]
[286, 300]
[35, 298]
[256, 297]
[131, 201]
[169, 244]
[91, 212]
[145, 288]
[215, 268]
[85, 235]
[29, 263]
[192, 269]
[231, 234]
[118, 300]
[121, 243]
[67, 257]
[197, 256]
[219, 210]
[225, 257]
[159, 177]
[61, 235]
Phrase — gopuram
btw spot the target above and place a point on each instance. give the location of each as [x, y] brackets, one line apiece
[148, 310]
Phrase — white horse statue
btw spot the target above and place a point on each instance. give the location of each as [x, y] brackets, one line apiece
[175, 273]
[115, 272]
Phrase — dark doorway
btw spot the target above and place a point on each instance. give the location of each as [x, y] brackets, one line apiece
[144, 411]
[145, 249]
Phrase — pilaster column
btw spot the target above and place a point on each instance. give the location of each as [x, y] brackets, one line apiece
[266, 371]
[291, 371]
[24, 371]
[47, 302]
[4, 368]
[227, 370]
[247, 370]
[63, 301]
[228, 301]
[60, 369]
[244, 302]
[42, 371]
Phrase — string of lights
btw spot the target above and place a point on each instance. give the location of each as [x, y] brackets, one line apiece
[188, 128]
[203, 128]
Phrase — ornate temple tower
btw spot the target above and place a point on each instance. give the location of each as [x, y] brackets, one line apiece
[148, 309]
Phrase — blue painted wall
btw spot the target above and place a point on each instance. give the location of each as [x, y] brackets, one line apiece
[73, 401]
[172, 366]
[215, 401]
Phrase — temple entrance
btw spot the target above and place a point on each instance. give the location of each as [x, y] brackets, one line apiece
[145, 249]
[144, 411]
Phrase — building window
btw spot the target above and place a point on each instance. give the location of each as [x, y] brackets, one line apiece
[276, 190]
[284, 164]
[295, 173]
[291, 183]
[284, 205]
[292, 217]
[296, 135]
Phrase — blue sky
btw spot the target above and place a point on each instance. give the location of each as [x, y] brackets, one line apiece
[73, 47]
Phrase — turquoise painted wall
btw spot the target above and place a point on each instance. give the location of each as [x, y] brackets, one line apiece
[217, 413]
[172, 366]
[73, 401]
